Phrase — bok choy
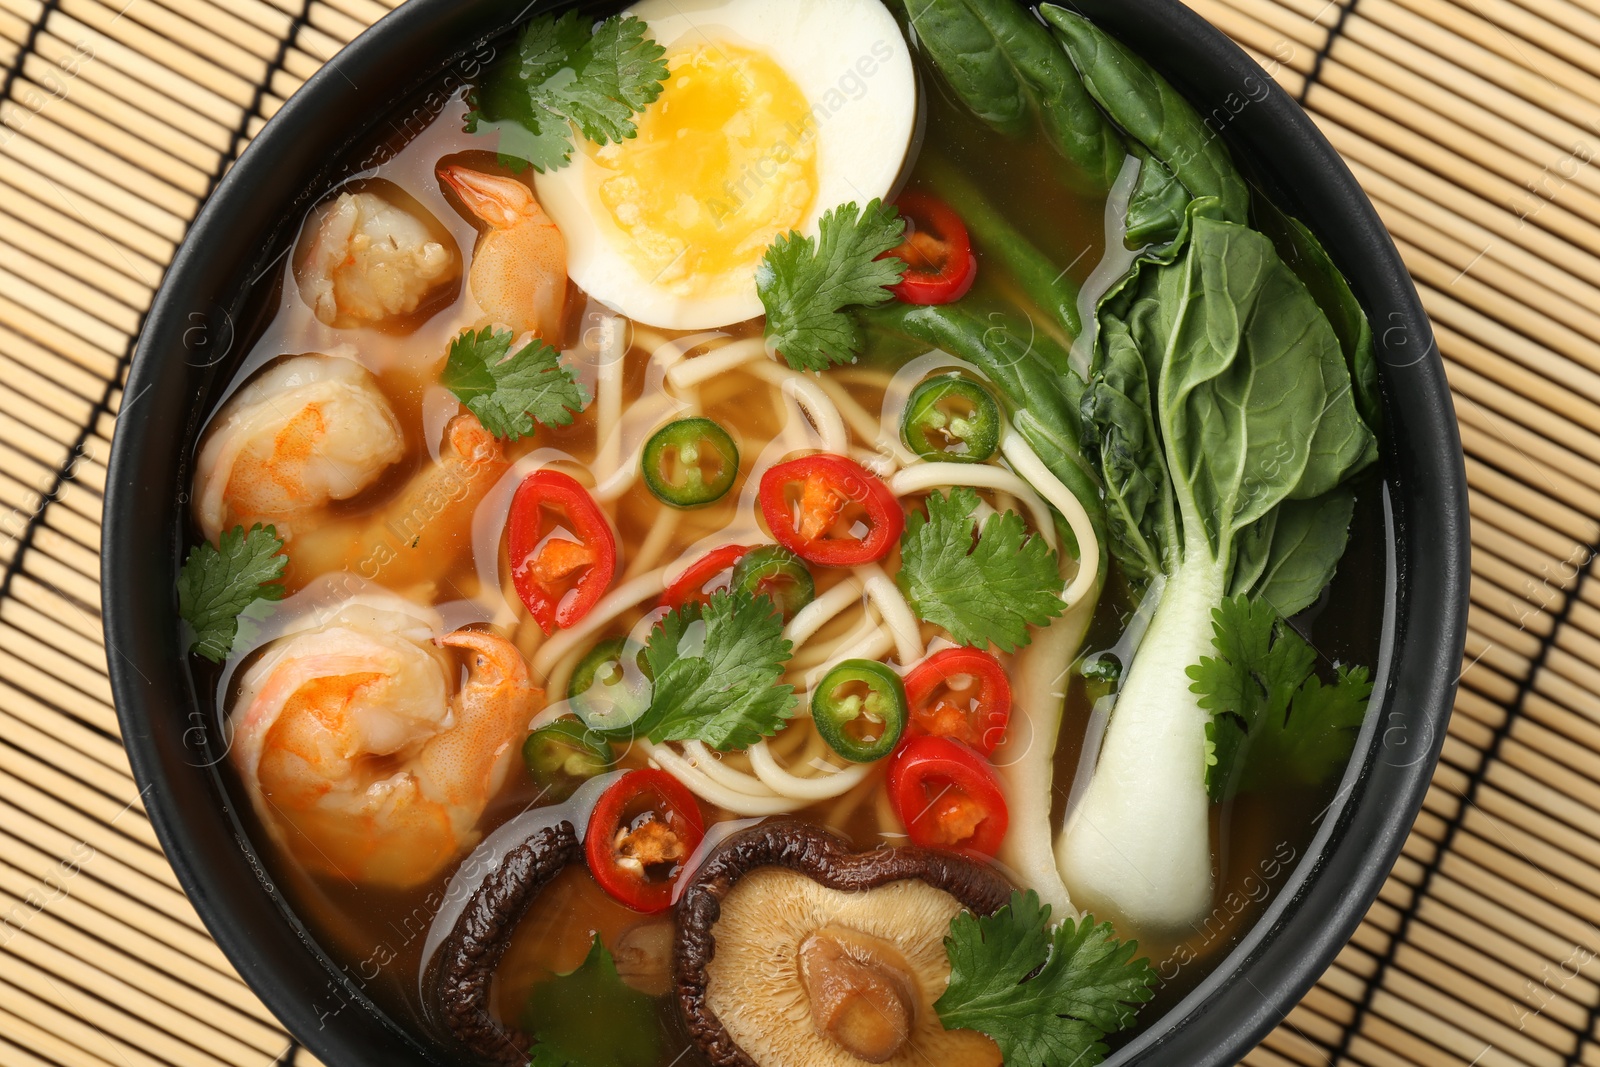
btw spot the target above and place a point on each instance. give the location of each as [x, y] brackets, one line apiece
[1000, 61]
[1230, 400]
[1181, 158]
[1221, 417]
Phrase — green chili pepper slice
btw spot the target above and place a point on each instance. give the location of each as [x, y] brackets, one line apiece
[609, 695]
[690, 463]
[860, 710]
[773, 571]
[951, 418]
[562, 756]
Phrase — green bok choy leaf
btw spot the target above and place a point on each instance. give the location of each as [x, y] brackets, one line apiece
[1178, 151]
[1000, 61]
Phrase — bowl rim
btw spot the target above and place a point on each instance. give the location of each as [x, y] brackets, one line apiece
[1319, 905]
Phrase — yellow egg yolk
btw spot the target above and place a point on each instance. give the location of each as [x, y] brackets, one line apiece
[725, 160]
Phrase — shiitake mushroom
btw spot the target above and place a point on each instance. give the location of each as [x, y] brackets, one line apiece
[461, 971]
[794, 950]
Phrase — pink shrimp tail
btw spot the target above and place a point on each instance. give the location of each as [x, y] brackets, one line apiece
[501, 202]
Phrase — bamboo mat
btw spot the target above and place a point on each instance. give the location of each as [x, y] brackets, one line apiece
[1473, 126]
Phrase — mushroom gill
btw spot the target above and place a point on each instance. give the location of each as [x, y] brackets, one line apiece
[794, 951]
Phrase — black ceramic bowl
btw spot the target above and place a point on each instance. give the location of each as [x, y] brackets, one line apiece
[194, 336]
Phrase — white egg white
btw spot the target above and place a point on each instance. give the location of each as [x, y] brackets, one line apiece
[852, 65]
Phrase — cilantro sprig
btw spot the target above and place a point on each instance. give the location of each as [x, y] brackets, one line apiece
[591, 1016]
[985, 584]
[510, 395]
[716, 671]
[1045, 996]
[218, 583]
[1274, 723]
[805, 284]
[567, 72]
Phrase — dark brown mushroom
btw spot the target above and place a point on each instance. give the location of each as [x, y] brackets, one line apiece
[793, 949]
[462, 969]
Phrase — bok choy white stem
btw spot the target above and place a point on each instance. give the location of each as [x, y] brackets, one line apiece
[1139, 844]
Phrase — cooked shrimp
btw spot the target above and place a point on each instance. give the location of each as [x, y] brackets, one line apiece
[519, 269]
[310, 430]
[420, 534]
[369, 260]
[357, 756]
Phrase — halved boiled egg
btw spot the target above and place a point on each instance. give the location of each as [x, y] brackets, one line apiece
[774, 112]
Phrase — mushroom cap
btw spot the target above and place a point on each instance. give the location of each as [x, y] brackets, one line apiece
[763, 891]
[462, 970]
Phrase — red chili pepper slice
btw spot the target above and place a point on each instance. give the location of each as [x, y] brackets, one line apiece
[947, 796]
[705, 576]
[563, 553]
[642, 832]
[937, 251]
[830, 511]
[962, 694]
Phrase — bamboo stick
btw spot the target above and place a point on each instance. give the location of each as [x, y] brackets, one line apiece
[1523, 962]
[1530, 1038]
[46, 863]
[153, 61]
[1411, 1047]
[52, 1041]
[1477, 47]
[129, 1030]
[221, 984]
[1439, 1019]
[1262, 1056]
[138, 988]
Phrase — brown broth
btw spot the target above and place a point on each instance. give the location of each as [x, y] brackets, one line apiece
[376, 935]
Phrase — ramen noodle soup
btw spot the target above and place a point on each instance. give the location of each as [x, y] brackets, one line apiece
[791, 533]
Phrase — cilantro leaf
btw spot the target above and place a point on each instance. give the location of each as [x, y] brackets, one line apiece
[548, 45]
[621, 74]
[523, 140]
[716, 671]
[805, 284]
[505, 104]
[1304, 754]
[590, 1017]
[510, 395]
[1045, 996]
[1274, 722]
[218, 583]
[565, 72]
[984, 591]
